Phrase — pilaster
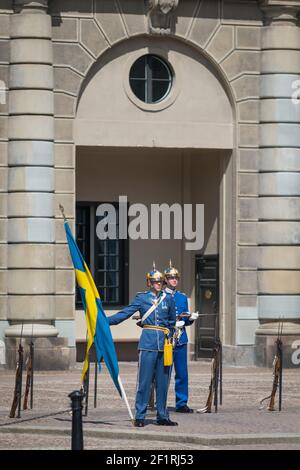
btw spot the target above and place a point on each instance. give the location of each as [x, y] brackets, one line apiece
[279, 170]
[31, 283]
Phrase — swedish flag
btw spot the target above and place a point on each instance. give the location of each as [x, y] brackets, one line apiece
[97, 324]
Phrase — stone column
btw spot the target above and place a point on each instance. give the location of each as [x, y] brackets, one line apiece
[279, 181]
[31, 223]
[5, 13]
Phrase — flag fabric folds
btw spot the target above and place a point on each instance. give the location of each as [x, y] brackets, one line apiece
[97, 324]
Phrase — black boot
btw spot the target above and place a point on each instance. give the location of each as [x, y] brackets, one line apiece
[139, 423]
[166, 422]
[184, 409]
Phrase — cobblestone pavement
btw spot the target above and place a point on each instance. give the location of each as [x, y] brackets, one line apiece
[24, 442]
[239, 415]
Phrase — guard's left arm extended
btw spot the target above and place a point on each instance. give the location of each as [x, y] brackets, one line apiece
[127, 312]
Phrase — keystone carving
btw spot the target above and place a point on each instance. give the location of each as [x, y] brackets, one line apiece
[161, 18]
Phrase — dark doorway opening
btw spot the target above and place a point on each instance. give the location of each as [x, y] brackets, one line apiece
[207, 304]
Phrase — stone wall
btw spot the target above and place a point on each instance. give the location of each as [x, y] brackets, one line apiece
[5, 14]
[231, 35]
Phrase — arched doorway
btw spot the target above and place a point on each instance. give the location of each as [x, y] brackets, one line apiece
[175, 151]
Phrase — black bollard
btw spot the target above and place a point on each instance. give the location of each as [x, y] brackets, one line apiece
[77, 434]
[95, 384]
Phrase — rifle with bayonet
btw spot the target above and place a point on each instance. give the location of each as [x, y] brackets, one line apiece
[215, 394]
[29, 376]
[18, 382]
[277, 374]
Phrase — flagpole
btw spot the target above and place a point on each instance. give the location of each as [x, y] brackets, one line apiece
[62, 210]
[119, 379]
[125, 399]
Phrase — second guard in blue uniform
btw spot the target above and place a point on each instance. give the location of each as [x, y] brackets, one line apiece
[180, 339]
[158, 318]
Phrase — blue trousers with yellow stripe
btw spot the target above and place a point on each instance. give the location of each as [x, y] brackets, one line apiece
[151, 366]
[181, 375]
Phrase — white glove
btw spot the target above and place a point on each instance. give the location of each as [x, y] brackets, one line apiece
[179, 324]
[194, 316]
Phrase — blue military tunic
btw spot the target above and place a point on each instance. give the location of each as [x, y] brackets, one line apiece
[181, 306]
[164, 315]
[180, 350]
[151, 346]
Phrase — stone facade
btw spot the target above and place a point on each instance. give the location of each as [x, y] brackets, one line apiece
[51, 55]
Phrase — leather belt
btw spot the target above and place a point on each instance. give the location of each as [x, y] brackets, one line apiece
[159, 328]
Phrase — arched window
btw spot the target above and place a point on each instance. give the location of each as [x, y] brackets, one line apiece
[150, 79]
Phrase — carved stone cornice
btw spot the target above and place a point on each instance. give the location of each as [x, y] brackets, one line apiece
[161, 16]
[280, 11]
[20, 5]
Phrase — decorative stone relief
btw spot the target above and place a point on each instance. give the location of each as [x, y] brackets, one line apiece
[30, 4]
[161, 18]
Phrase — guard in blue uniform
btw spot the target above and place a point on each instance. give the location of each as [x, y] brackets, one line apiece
[157, 318]
[180, 338]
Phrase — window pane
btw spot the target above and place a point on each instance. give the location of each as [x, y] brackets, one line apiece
[138, 88]
[159, 89]
[111, 294]
[101, 246]
[80, 216]
[112, 262]
[112, 247]
[159, 69]
[111, 278]
[138, 68]
[100, 262]
[144, 72]
[80, 231]
[101, 278]
[108, 263]
[83, 240]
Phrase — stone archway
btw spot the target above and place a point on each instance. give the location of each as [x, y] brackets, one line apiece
[198, 108]
[198, 116]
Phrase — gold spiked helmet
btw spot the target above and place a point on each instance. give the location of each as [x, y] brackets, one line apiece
[154, 275]
[171, 271]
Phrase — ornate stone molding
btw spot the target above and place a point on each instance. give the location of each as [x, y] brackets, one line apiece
[19, 5]
[271, 328]
[161, 16]
[28, 330]
[281, 11]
